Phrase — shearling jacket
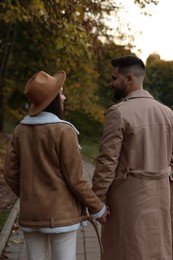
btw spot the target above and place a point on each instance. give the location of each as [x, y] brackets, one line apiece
[132, 176]
[43, 167]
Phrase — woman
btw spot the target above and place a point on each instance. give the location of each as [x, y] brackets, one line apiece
[43, 167]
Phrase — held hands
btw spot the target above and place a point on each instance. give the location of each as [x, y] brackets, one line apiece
[103, 218]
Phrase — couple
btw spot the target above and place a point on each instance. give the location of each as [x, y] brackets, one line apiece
[130, 194]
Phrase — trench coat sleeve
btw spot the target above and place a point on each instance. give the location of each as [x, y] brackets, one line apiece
[72, 170]
[109, 153]
[171, 164]
[12, 169]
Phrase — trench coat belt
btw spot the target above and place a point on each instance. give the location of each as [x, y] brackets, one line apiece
[142, 174]
[149, 175]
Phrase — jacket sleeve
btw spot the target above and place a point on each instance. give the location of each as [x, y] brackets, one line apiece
[71, 164]
[12, 169]
[109, 153]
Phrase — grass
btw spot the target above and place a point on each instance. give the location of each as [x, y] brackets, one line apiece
[7, 200]
[8, 127]
[5, 211]
[90, 150]
[3, 217]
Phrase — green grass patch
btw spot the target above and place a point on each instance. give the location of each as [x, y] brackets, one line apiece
[8, 126]
[7, 205]
[90, 150]
[3, 217]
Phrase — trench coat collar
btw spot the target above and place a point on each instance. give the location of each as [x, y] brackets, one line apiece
[138, 94]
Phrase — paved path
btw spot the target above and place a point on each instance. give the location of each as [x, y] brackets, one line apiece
[87, 243]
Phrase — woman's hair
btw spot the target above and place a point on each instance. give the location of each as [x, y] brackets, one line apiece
[55, 107]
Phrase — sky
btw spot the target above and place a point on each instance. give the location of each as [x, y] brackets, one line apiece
[151, 33]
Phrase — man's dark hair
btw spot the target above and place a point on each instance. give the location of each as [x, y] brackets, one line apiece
[55, 107]
[127, 62]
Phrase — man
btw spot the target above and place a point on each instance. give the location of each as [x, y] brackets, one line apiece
[132, 169]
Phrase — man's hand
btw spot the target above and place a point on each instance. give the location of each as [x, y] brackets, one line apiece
[103, 218]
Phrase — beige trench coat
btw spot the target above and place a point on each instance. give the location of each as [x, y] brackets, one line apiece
[131, 176]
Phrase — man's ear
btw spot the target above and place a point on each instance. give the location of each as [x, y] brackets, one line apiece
[129, 78]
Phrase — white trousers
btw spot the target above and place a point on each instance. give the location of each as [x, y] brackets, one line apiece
[60, 246]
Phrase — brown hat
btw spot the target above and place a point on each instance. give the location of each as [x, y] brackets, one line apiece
[42, 88]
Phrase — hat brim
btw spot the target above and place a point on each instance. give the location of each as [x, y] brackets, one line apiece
[60, 76]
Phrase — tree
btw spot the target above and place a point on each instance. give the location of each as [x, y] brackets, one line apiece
[159, 79]
[48, 35]
[65, 30]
